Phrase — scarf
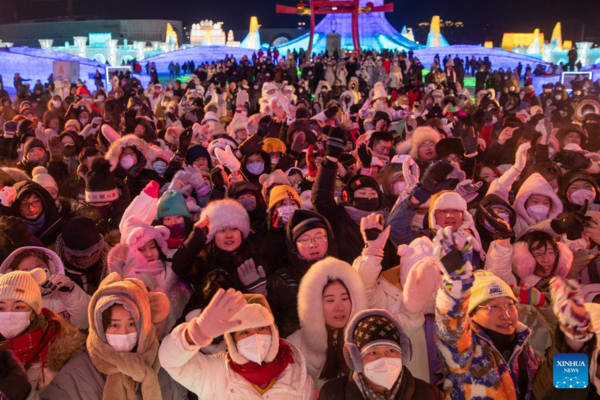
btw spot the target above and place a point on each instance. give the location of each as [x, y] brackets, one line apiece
[32, 347]
[356, 215]
[370, 394]
[124, 369]
[155, 269]
[262, 374]
[36, 225]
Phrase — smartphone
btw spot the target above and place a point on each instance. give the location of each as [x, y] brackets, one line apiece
[452, 109]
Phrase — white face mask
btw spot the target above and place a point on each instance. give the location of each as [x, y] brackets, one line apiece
[286, 212]
[417, 222]
[399, 187]
[255, 347]
[159, 166]
[100, 98]
[580, 196]
[128, 161]
[13, 323]
[57, 103]
[384, 371]
[122, 343]
[538, 212]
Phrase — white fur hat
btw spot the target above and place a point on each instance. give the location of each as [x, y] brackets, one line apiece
[421, 135]
[379, 91]
[310, 298]
[449, 200]
[226, 213]
[210, 116]
[136, 233]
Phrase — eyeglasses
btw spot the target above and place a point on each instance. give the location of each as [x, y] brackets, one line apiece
[308, 241]
[548, 253]
[34, 204]
[497, 309]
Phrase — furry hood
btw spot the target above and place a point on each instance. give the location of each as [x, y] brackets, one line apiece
[310, 298]
[69, 343]
[536, 184]
[524, 263]
[116, 148]
[136, 233]
[421, 135]
[226, 213]
[56, 265]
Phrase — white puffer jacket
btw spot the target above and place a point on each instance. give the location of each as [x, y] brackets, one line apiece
[210, 377]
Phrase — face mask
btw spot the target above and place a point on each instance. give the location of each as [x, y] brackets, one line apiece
[580, 196]
[122, 343]
[249, 203]
[286, 212]
[538, 212]
[512, 88]
[274, 161]
[494, 120]
[417, 222]
[399, 187]
[177, 230]
[255, 347]
[56, 103]
[256, 168]
[384, 371]
[13, 323]
[366, 204]
[69, 151]
[100, 98]
[128, 161]
[160, 167]
[558, 97]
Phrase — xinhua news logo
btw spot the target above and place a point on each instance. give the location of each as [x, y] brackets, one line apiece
[571, 371]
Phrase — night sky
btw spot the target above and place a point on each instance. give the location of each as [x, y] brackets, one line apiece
[504, 16]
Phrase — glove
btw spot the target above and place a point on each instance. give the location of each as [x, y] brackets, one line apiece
[521, 156]
[573, 223]
[185, 139]
[374, 236]
[468, 135]
[216, 318]
[365, 156]
[299, 142]
[228, 159]
[468, 190]
[264, 126]
[455, 261]
[56, 149]
[96, 122]
[13, 379]
[216, 177]
[336, 142]
[311, 161]
[502, 229]
[434, 181]
[152, 189]
[195, 177]
[529, 295]
[568, 306]
[422, 281]
[572, 160]
[254, 279]
[8, 196]
[62, 283]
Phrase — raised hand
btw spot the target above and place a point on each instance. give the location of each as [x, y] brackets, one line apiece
[253, 278]
[374, 234]
[568, 306]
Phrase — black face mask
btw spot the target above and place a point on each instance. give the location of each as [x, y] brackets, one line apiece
[366, 204]
[69, 151]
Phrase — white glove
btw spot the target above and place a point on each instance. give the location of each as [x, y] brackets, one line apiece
[521, 156]
[228, 159]
[254, 279]
[194, 176]
[468, 190]
[7, 196]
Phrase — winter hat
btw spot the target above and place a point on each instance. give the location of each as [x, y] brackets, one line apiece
[379, 91]
[237, 123]
[116, 149]
[421, 135]
[226, 213]
[73, 125]
[255, 314]
[272, 145]
[565, 130]
[43, 178]
[282, 192]
[33, 143]
[448, 146]
[136, 233]
[268, 181]
[23, 286]
[210, 116]
[448, 200]
[310, 293]
[81, 237]
[100, 185]
[197, 152]
[172, 203]
[25, 105]
[359, 182]
[488, 286]
[305, 223]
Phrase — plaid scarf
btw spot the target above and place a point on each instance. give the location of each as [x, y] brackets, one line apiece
[32, 346]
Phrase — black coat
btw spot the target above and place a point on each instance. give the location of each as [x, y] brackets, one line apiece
[345, 388]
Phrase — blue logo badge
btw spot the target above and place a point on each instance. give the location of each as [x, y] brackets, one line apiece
[571, 371]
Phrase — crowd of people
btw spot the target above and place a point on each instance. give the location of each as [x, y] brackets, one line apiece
[343, 227]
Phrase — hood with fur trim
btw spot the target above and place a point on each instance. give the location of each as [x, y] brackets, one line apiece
[421, 135]
[69, 343]
[257, 313]
[56, 265]
[226, 213]
[310, 298]
[116, 148]
[524, 263]
[536, 184]
[136, 233]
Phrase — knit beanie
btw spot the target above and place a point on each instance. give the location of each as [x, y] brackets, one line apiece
[81, 237]
[282, 192]
[375, 331]
[363, 181]
[448, 146]
[172, 203]
[195, 153]
[43, 178]
[305, 223]
[33, 143]
[488, 286]
[23, 286]
[100, 185]
[272, 145]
